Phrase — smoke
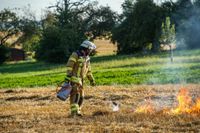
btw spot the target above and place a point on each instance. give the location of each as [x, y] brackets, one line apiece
[187, 24]
[169, 72]
[187, 37]
[188, 28]
[189, 34]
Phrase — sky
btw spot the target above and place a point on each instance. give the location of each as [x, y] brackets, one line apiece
[38, 6]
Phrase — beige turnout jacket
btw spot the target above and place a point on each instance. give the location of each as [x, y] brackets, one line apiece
[78, 68]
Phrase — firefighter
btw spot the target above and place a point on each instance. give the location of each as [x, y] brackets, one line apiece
[78, 68]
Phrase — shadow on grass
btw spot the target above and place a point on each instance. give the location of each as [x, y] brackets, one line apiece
[54, 78]
[34, 97]
[27, 67]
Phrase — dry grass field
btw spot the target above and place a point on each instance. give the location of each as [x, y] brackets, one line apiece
[105, 47]
[142, 108]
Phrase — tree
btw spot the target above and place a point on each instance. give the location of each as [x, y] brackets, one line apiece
[18, 30]
[9, 25]
[63, 33]
[4, 53]
[30, 30]
[22, 28]
[197, 3]
[168, 35]
[127, 6]
[71, 22]
[49, 19]
[50, 48]
[140, 27]
[182, 15]
[168, 8]
[101, 22]
[147, 27]
[193, 26]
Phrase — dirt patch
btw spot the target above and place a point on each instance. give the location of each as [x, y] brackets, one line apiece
[101, 113]
[88, 97]
[34, 97]
[9, 91]
[14, 91]
[44, 98]
[6, 116]
[21, 98]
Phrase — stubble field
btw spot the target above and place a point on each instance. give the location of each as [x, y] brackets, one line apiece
[38, 110]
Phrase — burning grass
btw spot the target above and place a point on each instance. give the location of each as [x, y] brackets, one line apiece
[141, 109]
[184, 105]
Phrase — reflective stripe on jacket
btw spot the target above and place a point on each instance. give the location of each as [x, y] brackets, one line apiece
[78, 67]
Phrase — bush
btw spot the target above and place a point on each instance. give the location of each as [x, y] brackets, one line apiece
[49, 45]
[4, 54]
[58, 44]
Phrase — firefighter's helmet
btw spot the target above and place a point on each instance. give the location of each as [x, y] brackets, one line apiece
[89, 45]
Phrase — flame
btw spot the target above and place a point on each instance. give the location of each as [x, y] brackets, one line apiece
[196, 107]
[185, 103]
[147, 108]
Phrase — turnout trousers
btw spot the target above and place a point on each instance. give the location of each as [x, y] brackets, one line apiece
[76, 99]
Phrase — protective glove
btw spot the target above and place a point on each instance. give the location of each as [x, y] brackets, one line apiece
[76, 80]
[92, 83]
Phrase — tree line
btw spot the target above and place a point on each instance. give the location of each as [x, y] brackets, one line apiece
[143, 26]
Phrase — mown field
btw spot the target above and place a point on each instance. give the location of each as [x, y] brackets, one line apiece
[38, 110]
[109, 70]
